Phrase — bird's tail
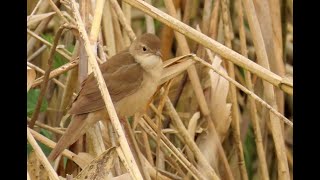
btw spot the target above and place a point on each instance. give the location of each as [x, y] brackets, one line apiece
[77, 127]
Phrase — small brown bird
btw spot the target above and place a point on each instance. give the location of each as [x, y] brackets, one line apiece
[132, 77]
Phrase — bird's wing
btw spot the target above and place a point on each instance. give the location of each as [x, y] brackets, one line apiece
[123, 77]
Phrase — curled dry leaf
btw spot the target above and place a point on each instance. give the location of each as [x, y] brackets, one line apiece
[35, 168]
[31, 76]
[219, 107]
[100, 167]
[192, 126]
[220, 111]
[38, 17]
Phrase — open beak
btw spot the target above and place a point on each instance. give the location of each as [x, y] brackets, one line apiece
[158, 53]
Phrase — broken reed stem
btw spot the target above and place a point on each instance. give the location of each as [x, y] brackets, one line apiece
[283, 169]
[215, 46]
[130, 161]
[253, 109]
[245, 90]
[46, 77]
[44, 126]
[48, 44]
[62, 69]
[122, 19]
[235, 124]
[188, 140]
[41, 156]
[150, 128]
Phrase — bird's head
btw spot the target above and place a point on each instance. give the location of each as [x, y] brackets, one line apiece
[146, 50]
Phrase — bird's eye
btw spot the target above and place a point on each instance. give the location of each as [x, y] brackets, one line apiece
[144, 48]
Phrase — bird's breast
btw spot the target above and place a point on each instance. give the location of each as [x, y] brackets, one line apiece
[137, 101]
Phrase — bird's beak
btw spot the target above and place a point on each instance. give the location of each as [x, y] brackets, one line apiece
[158, 53]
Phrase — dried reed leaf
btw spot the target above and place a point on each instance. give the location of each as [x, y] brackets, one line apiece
[192, 126]
[85, 157]
[220, 111]
[219, 107]
[31, 76]
[38, 17]
[35, 168]
[99, 168]
[175, 66]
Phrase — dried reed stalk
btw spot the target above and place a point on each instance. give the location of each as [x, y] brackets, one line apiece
[253, 109]
[268, 90]
[150, 128]
[130, 161]
[42, 157]
[235, 124]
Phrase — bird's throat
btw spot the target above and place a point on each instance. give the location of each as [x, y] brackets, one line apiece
[149, 62]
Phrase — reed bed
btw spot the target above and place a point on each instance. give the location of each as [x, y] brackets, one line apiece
[223, 109]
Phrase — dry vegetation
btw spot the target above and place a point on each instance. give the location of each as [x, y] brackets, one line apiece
[224, 109]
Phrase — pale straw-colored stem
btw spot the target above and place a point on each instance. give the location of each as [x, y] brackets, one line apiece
[130, 161]
[35, 54]
[34, 10]
[283, 169]
[245, 90]
[150, 128]
[235, 124]
[42, 72]
[67, 153]
[186, 137]
[62, 69]
[44, 126]
[253, 109]
[48, 44]
[41, 156]
[122, 19]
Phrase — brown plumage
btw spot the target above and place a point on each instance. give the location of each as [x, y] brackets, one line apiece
[131, 76]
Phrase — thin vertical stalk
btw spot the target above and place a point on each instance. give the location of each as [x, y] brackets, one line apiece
[283, 169]
[233, 95]
[252, 104]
